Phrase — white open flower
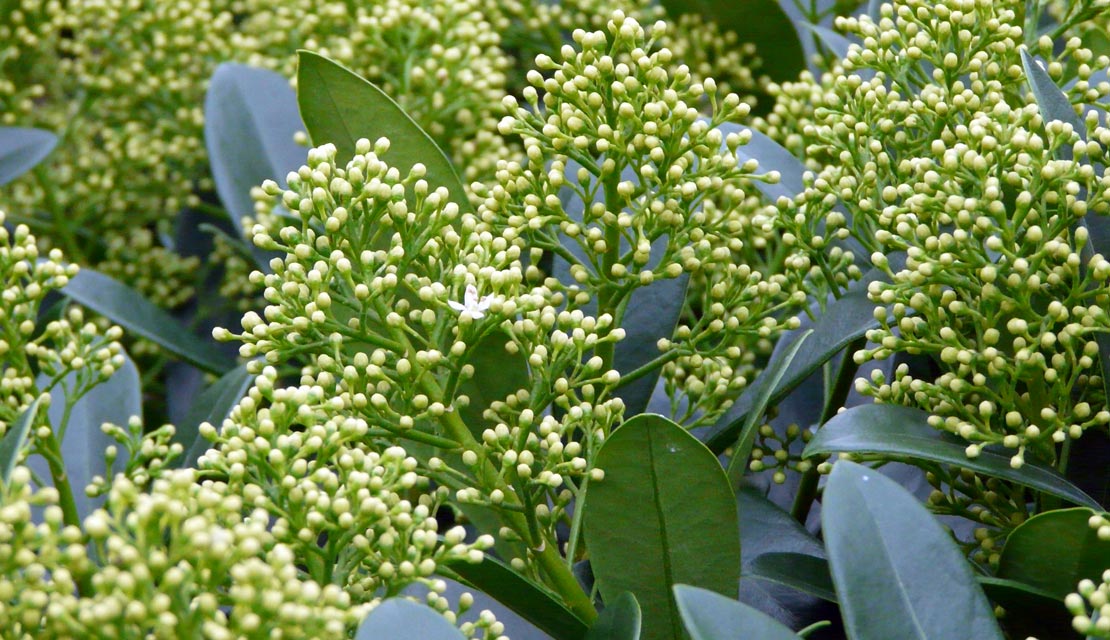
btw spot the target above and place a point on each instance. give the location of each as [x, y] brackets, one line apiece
[473, 305]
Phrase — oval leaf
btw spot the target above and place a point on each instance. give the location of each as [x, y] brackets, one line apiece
[21, 149]
[11, 445]
[129, 309]
[619, 621]
[711, 616]
[400, 619]
[844, 320]
[212, 406]
[683, 528]
[904, 432]
[531, 601]
[250, 118]
[897, 572]
[339, 106]
[1053, 551]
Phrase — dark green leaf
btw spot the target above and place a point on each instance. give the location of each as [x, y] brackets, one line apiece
[843, 321]
[711, 616]
[1028, 611]
[250, 118]
[904, 432]
[806, 573]
[497, 374]
[898, 573]
[400, 619]
[83, 443]
[529, 600]
[652, 313]
[761, 22]
[11, 445]
[1087, 467]
[212, 406]
[340, 107]
[619, 621]
[1053, 551]
[768, 382]
[682, 528]
[21, 149]
[129, 309]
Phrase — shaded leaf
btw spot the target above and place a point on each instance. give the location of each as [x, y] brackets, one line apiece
[761, 22]
[738, 463]
[1053, 551]
[1028, 611]
[401, 619]
[836, 43]
[619, 621]
[711, 616]
[339, 106]
[497, 374]
[771, 156]
[21, 149]
[129, 309]
[652, 313]
[904, 432]
[898, 574]
[683, 529]
[843, 321]
[250, 118]
[15, 438]
[531, 601]
[212, 406]
[806, 573]
[1054, 105]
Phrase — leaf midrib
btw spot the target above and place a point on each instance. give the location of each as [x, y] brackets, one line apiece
[668, 572]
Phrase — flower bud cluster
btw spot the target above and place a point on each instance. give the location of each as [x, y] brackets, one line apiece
[939, 153]
[339, 493]
[998, 506]
[26, 278]
[773, 451]
[622, 167]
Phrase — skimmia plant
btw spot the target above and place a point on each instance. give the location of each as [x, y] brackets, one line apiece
[530, 320]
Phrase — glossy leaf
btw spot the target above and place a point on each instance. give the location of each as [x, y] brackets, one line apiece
[619, 621]
[531, 601]
[250, 118]
[710, 616]
[682, 530]
[1053, 551]
[339, 106]
[15, 438]
[761, 22]
[897, 572]
[21, 149]
[497, 374]
[83, 443]
[212, 406]
[843, 321]
[129, 309]
[806, 573]
[904, 432]
[738, 463]
[401, 619]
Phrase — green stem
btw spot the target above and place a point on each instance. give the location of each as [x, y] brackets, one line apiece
[65, 496]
